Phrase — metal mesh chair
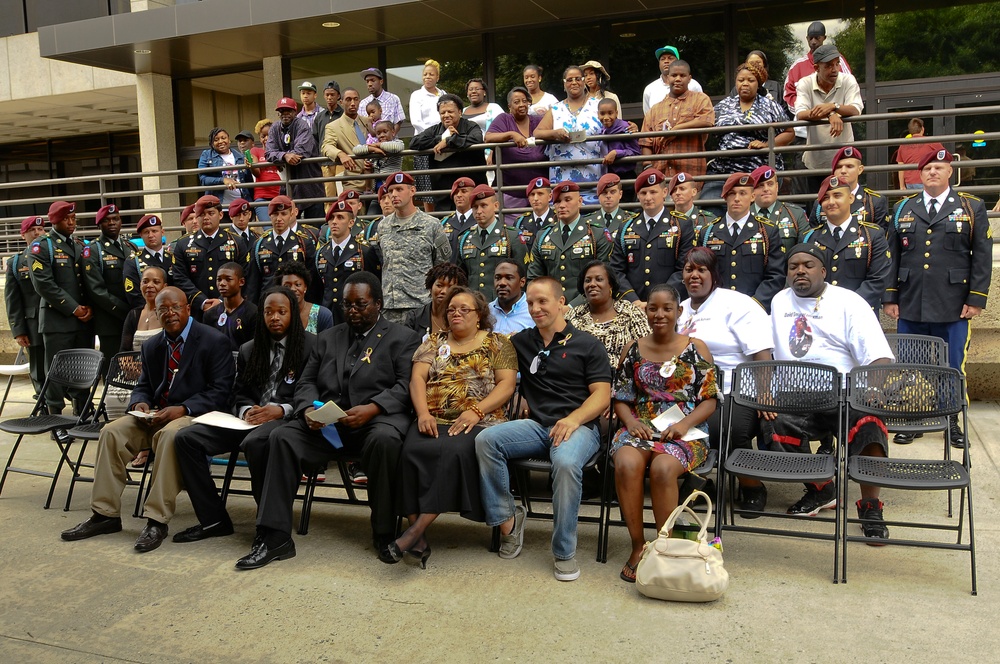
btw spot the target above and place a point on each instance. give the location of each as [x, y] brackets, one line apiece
[783, 387]
[902, 392]
[123, 373]
[76, 369]
[918, 349]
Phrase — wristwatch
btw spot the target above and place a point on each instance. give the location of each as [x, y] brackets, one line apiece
[836, 109]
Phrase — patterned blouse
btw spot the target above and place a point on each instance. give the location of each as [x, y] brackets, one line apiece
[457, 381]
[729, 114]
[628, 325]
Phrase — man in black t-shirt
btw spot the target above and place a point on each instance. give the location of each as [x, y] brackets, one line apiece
[566, 382]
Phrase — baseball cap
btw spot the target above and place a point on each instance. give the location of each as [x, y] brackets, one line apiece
[332, 85]
[306, 85]
[244, 134]
[286, 102]
[372, 71]
[667, 49]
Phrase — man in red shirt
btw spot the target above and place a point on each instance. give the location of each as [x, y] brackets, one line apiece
[912, 153]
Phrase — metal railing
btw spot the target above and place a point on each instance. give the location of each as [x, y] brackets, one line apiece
[105, 191]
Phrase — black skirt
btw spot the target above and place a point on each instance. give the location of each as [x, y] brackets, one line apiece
[439, 475]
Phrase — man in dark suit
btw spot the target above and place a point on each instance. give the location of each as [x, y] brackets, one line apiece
[364, 367]
[268, 369]
[104, 260]
[154, 252]
[57, 275]
[198, 256]
[186, 371]
[943, 257]
[23, 302]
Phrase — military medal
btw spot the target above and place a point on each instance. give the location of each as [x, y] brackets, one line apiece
[667, 368]
[857, 252]
[958, 225]
[753, 247]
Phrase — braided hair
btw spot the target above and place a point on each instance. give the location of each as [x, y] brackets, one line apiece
[258, 369]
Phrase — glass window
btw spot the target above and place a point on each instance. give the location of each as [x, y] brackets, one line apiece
[552, 50]
[11, 18]
[344, 67]
[460, 58]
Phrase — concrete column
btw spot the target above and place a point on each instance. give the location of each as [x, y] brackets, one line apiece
[274, 84]
[157, 141]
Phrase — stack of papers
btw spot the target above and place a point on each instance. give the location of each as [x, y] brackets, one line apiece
[674, 415]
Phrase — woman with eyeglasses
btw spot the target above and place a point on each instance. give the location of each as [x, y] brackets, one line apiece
[462, 379]
[616, 323]
[657, 372]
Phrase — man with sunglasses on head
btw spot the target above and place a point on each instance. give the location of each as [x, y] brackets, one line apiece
[566, 384]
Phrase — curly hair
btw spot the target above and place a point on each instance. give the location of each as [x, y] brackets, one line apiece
[294, 269]
[258, 368]
[448, 271]
[479, 302]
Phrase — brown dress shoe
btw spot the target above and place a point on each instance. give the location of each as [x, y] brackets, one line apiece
[95, 525]
[151, 537]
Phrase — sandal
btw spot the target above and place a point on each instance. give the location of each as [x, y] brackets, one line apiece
[140, 459]
[628, 572]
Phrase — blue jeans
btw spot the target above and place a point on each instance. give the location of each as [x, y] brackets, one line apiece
[496, 445]
[918, 185]
[261, 211]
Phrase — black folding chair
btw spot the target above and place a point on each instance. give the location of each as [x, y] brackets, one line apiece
[123, 373]
[75, 369]
[791, 388]
[901, 392]
[918, 349]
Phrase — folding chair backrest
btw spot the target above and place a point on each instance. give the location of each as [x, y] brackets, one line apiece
[124, 370]
[907, 391]
[78, 368]
[786, 387]
[918, 349]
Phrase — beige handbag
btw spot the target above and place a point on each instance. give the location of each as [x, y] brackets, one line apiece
[683, 570]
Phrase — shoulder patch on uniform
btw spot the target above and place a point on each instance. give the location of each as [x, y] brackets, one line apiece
[86, 251]
[36, 248]
[36, 265]
[129, 285]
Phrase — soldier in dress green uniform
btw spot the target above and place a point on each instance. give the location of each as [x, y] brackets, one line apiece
[490, 241]
[790, 219]
[683, 191]
[104, 261]
[278, 245]
[539, 193]
[611, 216]
[23, 302]
[341, 257]
[563, 248]
[57, 275]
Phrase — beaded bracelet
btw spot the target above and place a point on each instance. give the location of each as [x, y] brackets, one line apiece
[475, 409]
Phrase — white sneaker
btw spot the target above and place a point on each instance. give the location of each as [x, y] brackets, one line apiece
[567, 570]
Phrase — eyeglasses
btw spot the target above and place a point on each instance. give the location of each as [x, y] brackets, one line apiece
[538, 364]
[172, 309]
[461, 311]
[357, 306]
[573, 79]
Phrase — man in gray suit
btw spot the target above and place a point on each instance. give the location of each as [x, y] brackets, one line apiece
[363, 366]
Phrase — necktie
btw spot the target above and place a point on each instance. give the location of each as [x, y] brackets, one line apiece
[932, 208]
[173, 364]
[359, 133]
[838, 233]
[336, 255]
[482, 236]
[272, 380]
[733, 231]
[607, 219]
[538, 222]
[279, 243]
[246, 237]
[565, 233]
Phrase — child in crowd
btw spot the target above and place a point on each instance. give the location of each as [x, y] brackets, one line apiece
[382, 156]
[374, 111]
[607, 112]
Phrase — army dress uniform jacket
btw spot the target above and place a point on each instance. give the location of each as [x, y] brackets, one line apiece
[528, 225]
[197, 258]
[21, 298]
[265, 260]
[611, 222]
[941, 263]
[355, 257]
[140, 260]
[565, 260]
[697, 217]
[454, 225]
[866, 206]
[642, 258]
[57, 275]
[752, 263]
[860, 261]
[479, 259]
[104, 276]
[790, 220]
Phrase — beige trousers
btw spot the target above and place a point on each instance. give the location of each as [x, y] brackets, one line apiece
[120, 441]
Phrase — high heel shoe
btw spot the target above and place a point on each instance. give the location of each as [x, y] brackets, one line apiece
[414, 557]
[390, 554]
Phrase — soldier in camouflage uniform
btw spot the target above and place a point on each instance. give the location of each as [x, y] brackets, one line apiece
[410, 243]
[788, 218]
[23, 302]
[490, 241]
[57, 275]
[104, 261]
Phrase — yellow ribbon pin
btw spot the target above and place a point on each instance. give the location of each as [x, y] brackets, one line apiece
[368, 356]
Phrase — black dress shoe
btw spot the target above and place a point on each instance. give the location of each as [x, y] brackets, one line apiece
[957, 437]
[380, 541]
[390, 554]
[151, 537]
[906, 438]
[261, 555]
[197, 533]
[95, 525]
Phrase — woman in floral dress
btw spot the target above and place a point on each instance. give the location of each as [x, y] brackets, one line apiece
[462, 379]
[576, 113]
[656, 372]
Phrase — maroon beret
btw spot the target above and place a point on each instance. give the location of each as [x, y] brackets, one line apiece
[830, 182]
[679, 178]
[537, 183]
[737, 180]
[649, 178]
[279, 203]
[846, 152]
[31, 222]
[105, 211]
[401, 178]
[238, 206]
[763, 174]
[60, 210]
[941, 155]
[206, 202]
[563, 187]
[148, 221]
[482, 191]
[339, 206]
[461, 182]
[606, 181]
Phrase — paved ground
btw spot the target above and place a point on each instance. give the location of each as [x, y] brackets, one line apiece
[98, 601]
